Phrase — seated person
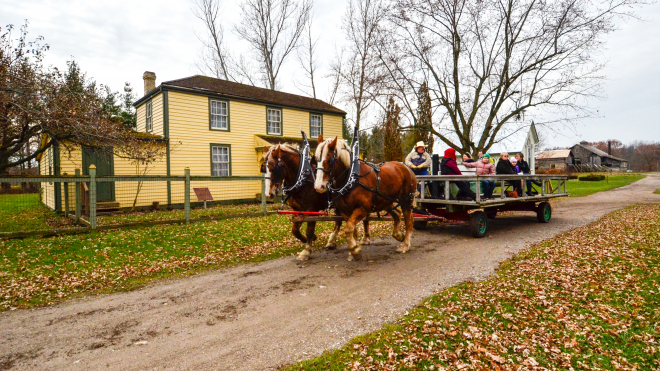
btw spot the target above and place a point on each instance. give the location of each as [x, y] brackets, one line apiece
[419, 160]
[448, 166]
[524, 168]
[504, 167]
[467, 158]
[484, 167]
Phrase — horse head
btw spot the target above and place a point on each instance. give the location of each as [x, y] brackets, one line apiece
[332, 156]
[278, 166]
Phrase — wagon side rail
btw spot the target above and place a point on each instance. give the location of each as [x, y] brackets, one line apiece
[552, 186]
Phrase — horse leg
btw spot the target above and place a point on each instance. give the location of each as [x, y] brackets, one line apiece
[408, 220]
[349, 230]
[304, 255]
[396, 232]
[366, 240]
[332, 241]
[296, 232]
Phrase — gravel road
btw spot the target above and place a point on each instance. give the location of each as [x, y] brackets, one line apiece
[261, 316]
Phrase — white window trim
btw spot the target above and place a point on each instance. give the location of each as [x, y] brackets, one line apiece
[228, 160]
[320, 127]
[211, 114]
[268, 132]
[149, 118]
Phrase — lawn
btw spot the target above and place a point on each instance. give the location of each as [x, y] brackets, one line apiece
[587, 299]
[580, 188]
[42, 271]
[24, 212]
[178, 214]
[657, 191]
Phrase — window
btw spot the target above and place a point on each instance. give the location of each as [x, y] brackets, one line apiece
[149, 125]
[315, 125]
[274, 121]
[553, 166]
[219, 115]
[219, 160]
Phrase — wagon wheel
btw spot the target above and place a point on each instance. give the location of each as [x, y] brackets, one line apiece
[478, 224]
[543, 212]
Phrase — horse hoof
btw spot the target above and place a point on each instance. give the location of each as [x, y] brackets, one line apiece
[355, 257]
[330, 246]
[403, 249]
[303, 255]
[365, 241]
[399, 237]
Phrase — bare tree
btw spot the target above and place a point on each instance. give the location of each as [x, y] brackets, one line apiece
[488, 62]
[360, 73]
[214, 58]
[273, 29]
[306, 57]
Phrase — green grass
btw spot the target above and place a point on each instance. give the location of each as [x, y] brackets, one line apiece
[24, 212]
[579, 188]
[587, 299]
[41, 271]
[178, 214]
[657, 191]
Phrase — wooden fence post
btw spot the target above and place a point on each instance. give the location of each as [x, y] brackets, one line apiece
[66, 198]
[92, 196]
[186, 195]
[78, 199]
[263, 196]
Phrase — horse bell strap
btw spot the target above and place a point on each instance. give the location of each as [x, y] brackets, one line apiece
[355, 152]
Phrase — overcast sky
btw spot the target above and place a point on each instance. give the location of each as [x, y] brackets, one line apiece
[116, 41]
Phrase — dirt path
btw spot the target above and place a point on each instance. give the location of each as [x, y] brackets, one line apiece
[260, 316]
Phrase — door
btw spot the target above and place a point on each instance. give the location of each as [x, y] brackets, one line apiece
[103, 159]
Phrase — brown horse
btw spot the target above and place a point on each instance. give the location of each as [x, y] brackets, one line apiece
[397, 185]
[282, 163]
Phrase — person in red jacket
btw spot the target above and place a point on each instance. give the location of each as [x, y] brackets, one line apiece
[448, 166]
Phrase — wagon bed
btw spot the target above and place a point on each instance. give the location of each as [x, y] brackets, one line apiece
[435, 199]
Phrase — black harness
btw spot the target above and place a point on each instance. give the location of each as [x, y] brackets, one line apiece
[354, 176]
[304, 172]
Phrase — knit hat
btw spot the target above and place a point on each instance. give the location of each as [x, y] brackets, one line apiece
[486, 155]
[450, 153]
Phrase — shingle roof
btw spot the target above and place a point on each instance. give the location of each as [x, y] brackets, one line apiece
[234, 90]
[558, 153]
[599, 152]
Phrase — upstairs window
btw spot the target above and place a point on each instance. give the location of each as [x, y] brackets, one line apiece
[274, 121]
[149, 125]
[219, 115]
[315, 125]
[219, 160]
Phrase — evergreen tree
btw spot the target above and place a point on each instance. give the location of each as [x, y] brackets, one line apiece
[392, 150]
[346, 131]
[422, 128]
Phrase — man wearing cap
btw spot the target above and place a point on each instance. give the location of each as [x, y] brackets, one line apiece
[418, 160]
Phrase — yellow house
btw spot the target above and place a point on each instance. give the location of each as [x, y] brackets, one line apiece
[217, 128]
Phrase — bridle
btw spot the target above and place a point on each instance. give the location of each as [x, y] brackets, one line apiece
[304, 170]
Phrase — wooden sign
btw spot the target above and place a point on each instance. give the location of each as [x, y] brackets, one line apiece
[203, 194]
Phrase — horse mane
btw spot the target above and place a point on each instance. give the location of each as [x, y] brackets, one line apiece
[343, 150]
[284, 147]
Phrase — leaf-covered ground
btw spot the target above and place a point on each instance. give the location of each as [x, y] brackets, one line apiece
[178, 214]
[586, 300]
[41, 271]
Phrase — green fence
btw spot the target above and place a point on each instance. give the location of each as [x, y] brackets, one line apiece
[78, 203]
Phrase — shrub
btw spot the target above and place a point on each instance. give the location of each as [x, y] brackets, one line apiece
[552, 171]
[592, 178]
[572, 177]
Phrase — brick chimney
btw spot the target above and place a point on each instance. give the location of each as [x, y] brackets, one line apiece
[149, 81]
[609, 147]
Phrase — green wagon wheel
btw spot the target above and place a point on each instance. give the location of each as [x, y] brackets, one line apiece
[544, 212]
[478, 224]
